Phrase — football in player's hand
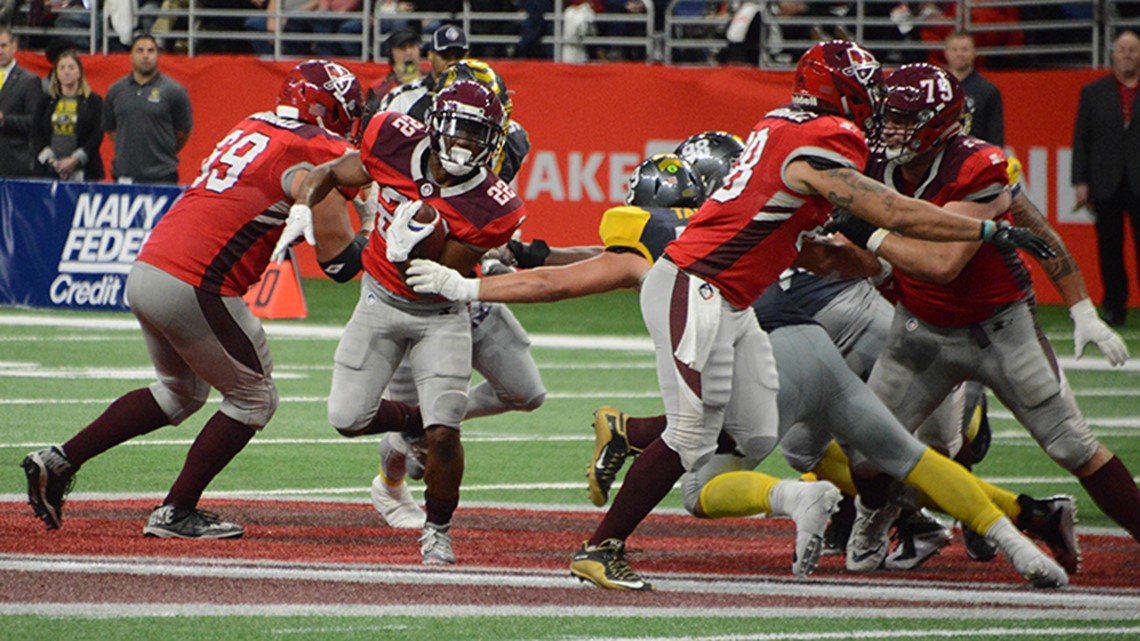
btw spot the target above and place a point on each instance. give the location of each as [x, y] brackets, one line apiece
[432, 246]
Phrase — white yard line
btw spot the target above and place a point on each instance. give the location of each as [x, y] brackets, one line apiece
[963, 600]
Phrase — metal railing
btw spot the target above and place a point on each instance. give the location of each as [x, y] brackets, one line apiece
[1031, 33]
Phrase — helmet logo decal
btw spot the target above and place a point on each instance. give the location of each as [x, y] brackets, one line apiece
[340, 80]
[861, 65]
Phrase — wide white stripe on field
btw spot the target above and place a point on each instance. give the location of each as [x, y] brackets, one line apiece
[418, 611]
[1121, 605]
[288, 329]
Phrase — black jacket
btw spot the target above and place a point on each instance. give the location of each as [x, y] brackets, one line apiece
[1105, 152]
[18, 98]
[88, 131]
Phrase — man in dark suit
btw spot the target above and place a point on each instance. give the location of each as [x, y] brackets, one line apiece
[983, 98]
[1106, 166]
[20, 91]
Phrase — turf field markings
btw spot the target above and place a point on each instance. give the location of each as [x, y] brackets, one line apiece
[965, 596]
[975, 633]
[633, 344]
[443, 611]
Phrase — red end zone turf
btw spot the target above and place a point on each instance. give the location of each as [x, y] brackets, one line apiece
[314, 532]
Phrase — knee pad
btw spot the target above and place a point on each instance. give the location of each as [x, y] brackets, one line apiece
[179, 403]
[757, 447]
[1070, 451]
[801, 462]
[253, 405]
[531, 404]
[446, 409]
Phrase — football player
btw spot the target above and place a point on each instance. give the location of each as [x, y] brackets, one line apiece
[444, 162]
[186, 290]
[968, 308]
[634, 237]
[501, 348]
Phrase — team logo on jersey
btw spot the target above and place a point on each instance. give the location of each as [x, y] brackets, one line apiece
[911, 325]
[706, 291]
[427, 190]
[370, 299]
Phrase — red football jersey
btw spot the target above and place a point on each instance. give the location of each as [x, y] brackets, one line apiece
[968, 169]
[750, 230]
[221, 232]
[483, 211]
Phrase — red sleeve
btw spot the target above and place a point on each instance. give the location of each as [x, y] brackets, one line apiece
[983, 175]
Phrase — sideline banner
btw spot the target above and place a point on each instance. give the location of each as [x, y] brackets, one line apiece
[591, 124]
[71, 245]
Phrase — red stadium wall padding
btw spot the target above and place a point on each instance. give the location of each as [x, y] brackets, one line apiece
[591, 124]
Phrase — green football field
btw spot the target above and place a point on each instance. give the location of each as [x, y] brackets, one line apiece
[59, 370]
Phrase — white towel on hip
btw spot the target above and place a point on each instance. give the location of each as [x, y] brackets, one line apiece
[701, 322]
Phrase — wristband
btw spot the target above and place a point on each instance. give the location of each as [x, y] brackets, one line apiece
[876, 239]
[988, 230]
[885, 271]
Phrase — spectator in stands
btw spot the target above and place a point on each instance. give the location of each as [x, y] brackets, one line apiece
[147, 115]
[1106, 167]
[268, 22]
[387, 12]
[404, 56]
[633, 27]
[998, 26]
[68, 125]
[321, 26]
[20, 91]
[983, 99]
[534, 27]
[453, 7]
[448, 45]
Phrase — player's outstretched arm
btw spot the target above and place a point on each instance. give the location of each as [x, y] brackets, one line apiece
[602, 273]
[878, 204]
[1066, 276]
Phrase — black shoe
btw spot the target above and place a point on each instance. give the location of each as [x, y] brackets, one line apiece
[839, 528]
[977, 547]
[1053, 520]
[50, 477]
[168, 522]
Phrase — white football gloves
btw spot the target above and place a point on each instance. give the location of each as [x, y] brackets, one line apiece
[299, 223]
[429, 277]
[1088, 327]
[404, 233]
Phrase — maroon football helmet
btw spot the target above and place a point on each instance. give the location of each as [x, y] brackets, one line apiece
[924, 106]
[467, 126]
[839, 77]
[322, 93]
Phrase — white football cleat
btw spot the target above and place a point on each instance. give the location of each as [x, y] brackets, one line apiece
[394, 502]
[1037, 567]
[810, 506]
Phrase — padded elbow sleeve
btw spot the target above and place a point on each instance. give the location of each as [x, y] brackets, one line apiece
[346, 264]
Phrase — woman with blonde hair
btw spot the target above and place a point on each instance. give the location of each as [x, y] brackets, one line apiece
[68, 124]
